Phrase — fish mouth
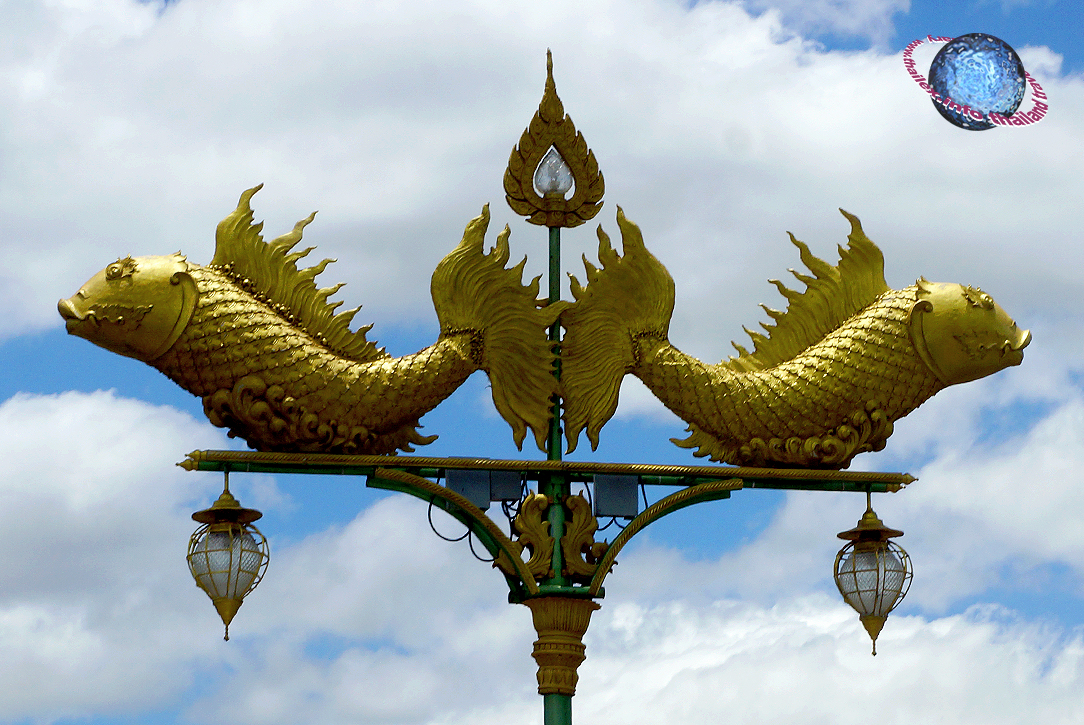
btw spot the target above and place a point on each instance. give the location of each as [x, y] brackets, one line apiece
[72, 318]
[1014, 354]
[1024, 342]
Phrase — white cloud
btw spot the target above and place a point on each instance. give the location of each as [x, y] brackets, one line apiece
[872, 21]
[1040, 62]
[94, 592]
[806, 661]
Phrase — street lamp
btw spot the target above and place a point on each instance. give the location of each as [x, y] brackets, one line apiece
[227, 555]
[274, 363]
[873, 573]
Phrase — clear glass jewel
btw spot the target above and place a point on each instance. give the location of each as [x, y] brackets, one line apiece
[553, 175]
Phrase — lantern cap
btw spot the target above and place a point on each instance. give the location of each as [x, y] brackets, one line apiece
[227, 510]
[869, 528]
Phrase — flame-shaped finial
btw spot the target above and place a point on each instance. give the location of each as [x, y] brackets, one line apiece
[538, 193]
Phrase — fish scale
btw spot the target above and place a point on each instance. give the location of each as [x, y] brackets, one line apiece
[867, 360]
[308, 374]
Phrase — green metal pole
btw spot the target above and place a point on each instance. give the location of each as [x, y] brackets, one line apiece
[554, 440]
[557, 708]
[556, 485]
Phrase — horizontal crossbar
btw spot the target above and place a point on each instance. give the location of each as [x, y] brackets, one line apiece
[794, 479]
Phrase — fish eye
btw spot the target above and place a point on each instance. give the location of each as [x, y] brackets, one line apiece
[121, 268]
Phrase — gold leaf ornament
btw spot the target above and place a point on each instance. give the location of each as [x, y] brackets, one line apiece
[551, 151]
[533, 529]
[581, 551]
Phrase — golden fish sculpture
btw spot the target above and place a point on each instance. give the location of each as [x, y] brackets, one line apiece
[848, 357]
[254, 338]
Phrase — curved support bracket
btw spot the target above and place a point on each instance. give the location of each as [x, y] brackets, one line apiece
[505, 551]
[686, 497]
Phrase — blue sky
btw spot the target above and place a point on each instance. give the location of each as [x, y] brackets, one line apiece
[132, 128]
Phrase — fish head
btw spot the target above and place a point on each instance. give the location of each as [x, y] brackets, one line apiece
[136, 307]
[962, 333]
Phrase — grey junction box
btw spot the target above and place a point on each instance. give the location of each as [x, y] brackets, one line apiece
[617, 495]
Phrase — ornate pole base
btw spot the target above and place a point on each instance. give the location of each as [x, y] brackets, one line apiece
[561, 623]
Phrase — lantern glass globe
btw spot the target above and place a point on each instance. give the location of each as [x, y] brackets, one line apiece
[553, 175]
[226, 563]
[873, 579]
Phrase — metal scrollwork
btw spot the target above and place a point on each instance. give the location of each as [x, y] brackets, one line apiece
[581, 551]
[534, 534]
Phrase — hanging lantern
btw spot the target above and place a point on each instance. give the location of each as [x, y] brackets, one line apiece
[873, 573]
[227, 555]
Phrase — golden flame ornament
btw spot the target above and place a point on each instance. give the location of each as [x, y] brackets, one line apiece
[552, 159]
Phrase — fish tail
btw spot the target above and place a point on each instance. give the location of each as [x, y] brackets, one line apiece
[628, 300]
[473, 292]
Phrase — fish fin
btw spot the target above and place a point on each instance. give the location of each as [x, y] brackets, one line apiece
[831, 297]
[270, 269]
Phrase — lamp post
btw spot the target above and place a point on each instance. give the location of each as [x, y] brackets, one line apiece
[549, 554]
[276, 364]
